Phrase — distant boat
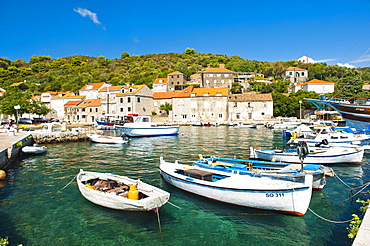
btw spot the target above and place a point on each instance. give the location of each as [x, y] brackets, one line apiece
[120, 192]
[243, 190]
[97, 138]
[35, 149]
[355, 111]
[241, 125]
[316, 155]
[141, 126]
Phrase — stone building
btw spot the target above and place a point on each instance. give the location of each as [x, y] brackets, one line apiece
[249, 107]
[217, 78]
[295, 75]
[200, 105]
[88, 110]
[135, 99]
[175, 78]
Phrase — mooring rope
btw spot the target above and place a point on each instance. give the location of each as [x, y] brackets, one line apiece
[67, 184]
[342, 180]
[159, 225]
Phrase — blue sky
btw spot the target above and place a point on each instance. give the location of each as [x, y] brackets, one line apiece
[262, 30]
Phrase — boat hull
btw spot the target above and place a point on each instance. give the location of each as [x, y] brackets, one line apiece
[148, 131]
[156, 197]
[244, 190]
[106, 139]
[34, 150]
[349, 156]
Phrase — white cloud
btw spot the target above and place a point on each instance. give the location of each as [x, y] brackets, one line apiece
[88, 13]
[362, 59]
[327, 60]
[346, 65]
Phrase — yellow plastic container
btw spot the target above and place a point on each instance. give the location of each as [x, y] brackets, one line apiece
[133, 193]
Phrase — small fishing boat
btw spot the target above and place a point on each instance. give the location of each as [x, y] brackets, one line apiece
[244, 190]
[329, 135]
[141, 126]
[316, 155]
[120, 192]
[241, 125]
[35, 149]
[97, 138]
[290, 171]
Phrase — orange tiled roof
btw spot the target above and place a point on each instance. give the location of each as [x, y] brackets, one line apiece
[248, 97]
[137, 87]
[160, 81]
[295, 69]
[164, 95]
[317, 81]
[73, 103]
[90, 103]
[200, 92]
[176, 72]
[95, 86]
[218, 70]
[52, 92]
[113, 88]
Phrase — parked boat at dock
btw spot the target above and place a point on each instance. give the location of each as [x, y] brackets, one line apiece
[316, 155]
[243, 190]
[97, 138]
[120, 192]
[261, 168]
[141, 126]
[34, 149]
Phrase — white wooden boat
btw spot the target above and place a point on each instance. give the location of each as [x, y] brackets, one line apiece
[327, 134]
[279, 170]
[316, 155]
[116, 192]
[243, 190]
[141, 126]
[241, 125]
[97, 138]
[35, 149]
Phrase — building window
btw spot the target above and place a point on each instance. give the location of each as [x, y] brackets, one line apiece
[83, 110]
[129, 109]
[290, 73]
[184, 116]
[121, 109]
[129, 99]
[220, 116]
[96, 109]
[238, 116]
[235, 104]
[265, 105]
[249, 105]
[90, 110]
[138, 99]
[121, 100]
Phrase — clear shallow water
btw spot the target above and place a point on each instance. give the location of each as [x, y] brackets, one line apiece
[33, 212]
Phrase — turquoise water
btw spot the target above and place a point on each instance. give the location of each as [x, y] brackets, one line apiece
[36, 210]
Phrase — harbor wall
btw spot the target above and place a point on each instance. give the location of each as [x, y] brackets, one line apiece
[13, 152]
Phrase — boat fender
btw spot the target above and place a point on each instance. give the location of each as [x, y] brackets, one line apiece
[325, 141]
[88, 185]
[294, 135]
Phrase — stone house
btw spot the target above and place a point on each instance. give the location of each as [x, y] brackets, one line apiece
[57, 103]
[318, 86]
[175, 78]
[70, 110]
[250, 106]
[108, 95]
[91, 90]
[217, 78]
[160, 98]
[88, 110]
[200, 105]
[160, 85]
[135, 99]
[295, 75]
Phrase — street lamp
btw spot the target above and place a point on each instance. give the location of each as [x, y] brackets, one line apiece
[16, 107]
[300, 109]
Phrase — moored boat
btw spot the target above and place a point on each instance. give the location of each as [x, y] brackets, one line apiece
[241, 125]
[120, 192]
[256, 192]
[97, 138]
[282, 170]
[141, 126]
[35, 149]
[316, 155]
